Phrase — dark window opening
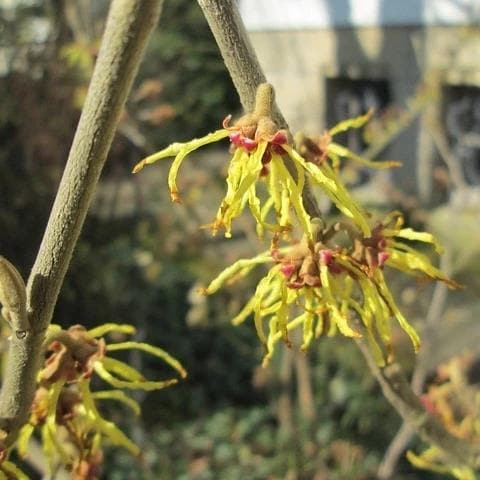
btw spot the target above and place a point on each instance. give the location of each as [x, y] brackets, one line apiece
[461, 113]
[348, 98]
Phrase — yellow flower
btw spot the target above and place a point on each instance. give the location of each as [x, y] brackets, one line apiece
[9, 470]
[320, 148]
[455, 402]
[433, 460]
[259, 148]
[322, 287]
[64, 408]
[387, 246]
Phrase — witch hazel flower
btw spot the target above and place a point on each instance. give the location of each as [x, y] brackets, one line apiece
[258, 176]
[322, 149]
[65, 409]
[323, 287]
[256, 146]
[391, 244]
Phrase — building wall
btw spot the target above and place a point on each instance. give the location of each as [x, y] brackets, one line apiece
[299, 62]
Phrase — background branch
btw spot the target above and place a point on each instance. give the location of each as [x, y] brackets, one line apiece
[126, 33]
[401, 396]
[405, 434]
[245, 70]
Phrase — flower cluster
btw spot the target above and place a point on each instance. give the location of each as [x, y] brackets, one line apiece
[333, 279]
[259, 148]
[65, 408]
[324, 287]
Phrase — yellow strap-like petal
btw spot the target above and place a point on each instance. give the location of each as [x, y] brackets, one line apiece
[152, 350]
[234, 174]
[295, 196]
[244, 312]
[122, 369]
[264, 287]
[341, 151]
[284, 212]
[408, 262]
[335, 313]
[176, 148]
[274, 186]
[109, 429]
[51, 441]
[313, 169]
[308, 319]
[186, 150]
[326, 178]
[119, 396]
[13, 471]
[425, 462]
[274, 335]
[254, 205]
[230, 209]
[104, 374]
[345, 202]
[349, 123]
[102, 330]
[388, 298]
[23, 439]
[425, 237]
[238, 269]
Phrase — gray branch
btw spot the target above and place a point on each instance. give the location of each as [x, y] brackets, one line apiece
[128, 27]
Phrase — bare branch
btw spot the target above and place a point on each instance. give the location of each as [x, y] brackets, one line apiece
[237, 51]
[126, 33]
[405, 434]
[394, 451]
[400, 395]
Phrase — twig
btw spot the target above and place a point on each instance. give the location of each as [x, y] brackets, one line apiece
[406, 432]
[244, 68]
[394, 451]
[240, 60]
[127, 30]
[400, 395]
[439, 138]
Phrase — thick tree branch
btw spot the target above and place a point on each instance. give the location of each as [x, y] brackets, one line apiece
[242, 63]
[128, 27]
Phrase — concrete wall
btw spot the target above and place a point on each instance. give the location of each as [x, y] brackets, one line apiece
[298, 62]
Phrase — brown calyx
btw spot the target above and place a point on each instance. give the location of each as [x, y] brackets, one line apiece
[313, 149]
[371, 252]
[301, 264]
[71, 355]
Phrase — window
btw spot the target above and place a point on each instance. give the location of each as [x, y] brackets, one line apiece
[352, 97]
[461, 111]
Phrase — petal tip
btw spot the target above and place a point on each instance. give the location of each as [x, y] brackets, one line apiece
[138, 166]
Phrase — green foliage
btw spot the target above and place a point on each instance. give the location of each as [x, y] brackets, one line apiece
[195, 82]
[344, 442]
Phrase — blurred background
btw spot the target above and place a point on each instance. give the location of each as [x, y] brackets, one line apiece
[140, 259]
